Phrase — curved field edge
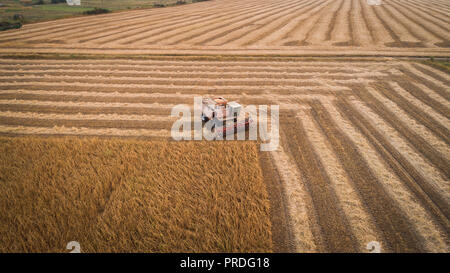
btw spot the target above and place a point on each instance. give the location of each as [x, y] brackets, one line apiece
[128, 195]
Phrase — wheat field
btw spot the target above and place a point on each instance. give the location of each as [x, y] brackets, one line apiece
[113, 195]
[336, 27]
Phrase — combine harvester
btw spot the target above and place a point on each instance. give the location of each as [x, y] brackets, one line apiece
[227, 117]
[73, 2]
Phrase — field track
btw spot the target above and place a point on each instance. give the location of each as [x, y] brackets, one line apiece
[293, 27]
[364, 143]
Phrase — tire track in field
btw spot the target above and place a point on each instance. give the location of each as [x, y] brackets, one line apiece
[192, 64]
[122, 124]
[145, 89]
[335, 233]
[309, 87]
[184, 18]
[436, 4]
[363, 13]
[86, 110]
[168, 26]
[182, 11]
[234, 37]
[314, 9]
[432, 12]
[118, 69]
[287, 31]
[393, 30]
[440, 146]
[413, 111]
[332, 22]
[426, 16]
[378, 31]
[427, 33]
[179, 74]
[398, 27]
[361, 222]
[121, 99]
[301, 33]
[282, 231]
[91, 32]
[186, 100]
[232, 15]
[403, 26]
[319, 32]
[264, 31]
[180, 61]
[341, 34]
[175, 82]
[444, 77]
[429, 7]
[417, 141]
[432, 200]
[81, 116]
[173, 29]
[98, 38]
[235, 25]
[205, 86]
[130, 32]
[388, 217]
[275, 37]
[421, 78]
[420, 163]
[432, 94]
[80, 103]
[188, 92]
[423, 97]
[109, 132]
[129, 97]
[351, 26]
[431, 238]
[67, 27]
[444, 121]
[362, 34]
[299, 202]
[88, 104]
[404, 23]
[441, 4]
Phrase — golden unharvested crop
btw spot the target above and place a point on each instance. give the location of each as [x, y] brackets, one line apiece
[125, 195]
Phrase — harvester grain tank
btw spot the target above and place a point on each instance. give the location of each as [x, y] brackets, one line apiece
[227, 117]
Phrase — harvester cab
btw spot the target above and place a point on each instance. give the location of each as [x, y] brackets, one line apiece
[227, 117]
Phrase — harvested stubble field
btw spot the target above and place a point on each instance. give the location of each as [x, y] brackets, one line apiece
[49, 11]
[334, 27]
[128, 195]
[365, 142]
